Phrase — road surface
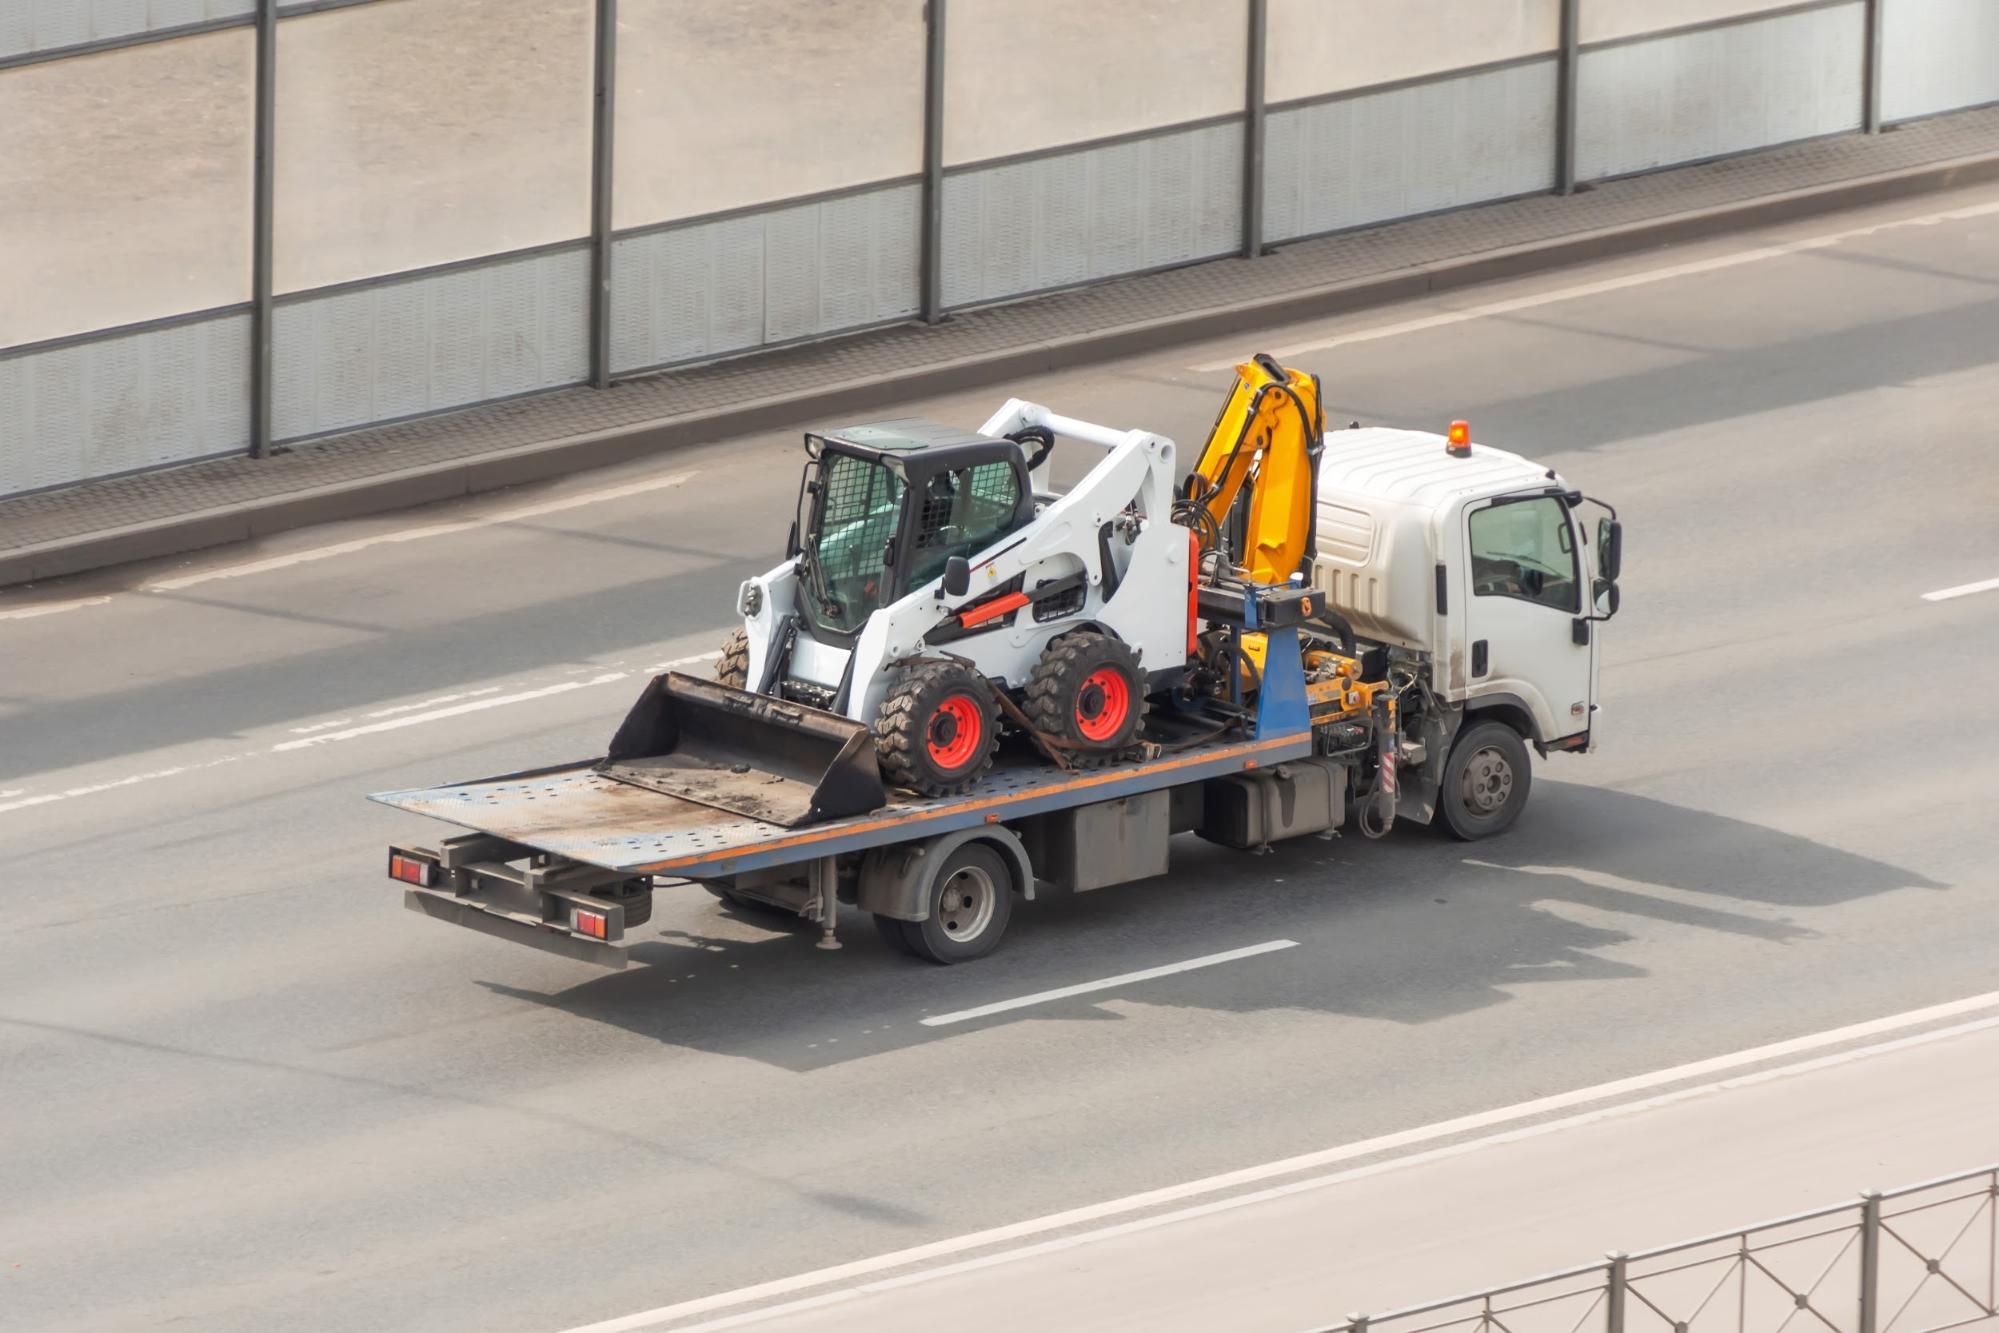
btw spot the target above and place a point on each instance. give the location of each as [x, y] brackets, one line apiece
[244, 1089]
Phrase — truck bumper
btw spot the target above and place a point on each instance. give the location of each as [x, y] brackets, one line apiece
[514, 926]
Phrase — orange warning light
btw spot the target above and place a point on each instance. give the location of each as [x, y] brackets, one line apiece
[1458, 444]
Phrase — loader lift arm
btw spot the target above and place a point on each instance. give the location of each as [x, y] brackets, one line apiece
[1268, 438]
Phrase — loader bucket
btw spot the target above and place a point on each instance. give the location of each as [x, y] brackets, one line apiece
[744, 753]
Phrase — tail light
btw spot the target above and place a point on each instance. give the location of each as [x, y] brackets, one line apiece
[586, 922]
[411, 868]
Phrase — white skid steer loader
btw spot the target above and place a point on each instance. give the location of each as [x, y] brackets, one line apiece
[932, 583]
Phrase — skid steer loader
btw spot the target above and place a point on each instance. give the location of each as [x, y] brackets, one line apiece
[936, 590]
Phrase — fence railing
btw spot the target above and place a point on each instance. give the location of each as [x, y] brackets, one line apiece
[1918, 1259]
[387, 208]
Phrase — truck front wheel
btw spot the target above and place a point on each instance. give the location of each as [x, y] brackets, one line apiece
[1485, 782]
[970, 899]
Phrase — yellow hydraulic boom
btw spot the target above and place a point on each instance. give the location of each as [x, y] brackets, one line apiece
[1268, 436]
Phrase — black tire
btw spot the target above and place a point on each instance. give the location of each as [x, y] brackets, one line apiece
[1485, 781]
[937, 730]
[1087, 690]
[971, 900]
[733, 666]
[892, 934]
[746, 904]
[637, 902]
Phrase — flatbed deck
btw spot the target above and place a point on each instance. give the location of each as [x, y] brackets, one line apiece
[572, 812]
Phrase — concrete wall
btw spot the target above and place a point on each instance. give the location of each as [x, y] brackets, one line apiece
[139, 399]
[39, 26]
[469, 334]
[433, 168]
[1364, 157]
[1059, 220]
[1938, 55]
[704, 289]
[1329, 46]
[1028, 75]
[1681, 97]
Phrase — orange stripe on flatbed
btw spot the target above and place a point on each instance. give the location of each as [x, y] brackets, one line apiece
[1080, 783]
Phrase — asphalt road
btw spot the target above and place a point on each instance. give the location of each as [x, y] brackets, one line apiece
[243, 1089]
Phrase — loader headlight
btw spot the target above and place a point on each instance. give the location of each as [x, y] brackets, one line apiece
[750, 600]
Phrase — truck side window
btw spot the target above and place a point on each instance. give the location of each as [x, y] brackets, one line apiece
[1525, 549]
[964, 511]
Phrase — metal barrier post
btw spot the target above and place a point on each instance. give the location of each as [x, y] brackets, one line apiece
[603, 118]
[932, 277]
[1566, 64]
[1252, 130]
[263, 172]
[1613, 1301]
[1870, 1260]
[1870, 72]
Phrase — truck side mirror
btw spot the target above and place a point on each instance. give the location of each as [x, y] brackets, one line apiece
[1609, 548]
[1607, 599]
[957, 576]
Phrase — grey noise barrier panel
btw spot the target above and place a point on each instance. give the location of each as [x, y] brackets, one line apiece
[539, 462]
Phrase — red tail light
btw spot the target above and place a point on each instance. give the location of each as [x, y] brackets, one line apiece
[416, 870]
[590, 923]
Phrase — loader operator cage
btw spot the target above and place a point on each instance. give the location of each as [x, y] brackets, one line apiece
[884, 507]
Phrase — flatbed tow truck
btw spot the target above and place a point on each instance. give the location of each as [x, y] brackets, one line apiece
[1441, 621]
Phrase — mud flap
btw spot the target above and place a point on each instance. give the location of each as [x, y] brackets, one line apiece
[746, 754]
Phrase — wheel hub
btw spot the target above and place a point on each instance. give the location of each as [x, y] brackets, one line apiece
[965, 904]
[955, 733]
[1103, 704]
[1488, 781]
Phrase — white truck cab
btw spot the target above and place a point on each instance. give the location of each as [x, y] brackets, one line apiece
[1476, 559]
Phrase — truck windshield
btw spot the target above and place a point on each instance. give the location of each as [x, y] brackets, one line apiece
[848, 531]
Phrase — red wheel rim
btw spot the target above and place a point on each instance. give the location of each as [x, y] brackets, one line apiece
[956, 730]
[1103, 704]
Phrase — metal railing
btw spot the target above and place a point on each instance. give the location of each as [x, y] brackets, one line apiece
[1918, 1259]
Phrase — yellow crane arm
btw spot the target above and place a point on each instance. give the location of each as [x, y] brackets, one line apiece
[1268, 436]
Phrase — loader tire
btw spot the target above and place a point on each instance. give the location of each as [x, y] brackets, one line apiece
[937, 730]
[732, 668]
[1087, 692]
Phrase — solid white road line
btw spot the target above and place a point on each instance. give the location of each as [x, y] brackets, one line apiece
[51, 608]
[1291, 1165]
[1460, 1149]
[318, 733]
[438, 714]
[316, 553]
[1108, 983]
[1621, 283]
[500, 516]
[1962, 590]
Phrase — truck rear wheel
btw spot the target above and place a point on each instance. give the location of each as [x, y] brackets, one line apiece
[1087, 691]
[938, 729]
[971, 900]
[1485, 781]
[732, 666]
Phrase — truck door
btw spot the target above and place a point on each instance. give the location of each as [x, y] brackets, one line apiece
[1527, 584]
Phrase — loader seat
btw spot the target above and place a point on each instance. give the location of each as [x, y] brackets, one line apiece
[964, 511]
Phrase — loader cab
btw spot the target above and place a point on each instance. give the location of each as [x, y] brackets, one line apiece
[882, 507]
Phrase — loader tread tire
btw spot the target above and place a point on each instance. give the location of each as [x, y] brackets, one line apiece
[1055, 697]
[937, 730]
[732, 666]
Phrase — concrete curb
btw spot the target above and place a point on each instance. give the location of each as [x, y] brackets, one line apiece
[553, 458]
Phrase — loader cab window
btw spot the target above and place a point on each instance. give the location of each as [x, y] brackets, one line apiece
[1525, 550]
[961, 512]
[847, 529]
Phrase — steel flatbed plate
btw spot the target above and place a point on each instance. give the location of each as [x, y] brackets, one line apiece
[572, 812]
